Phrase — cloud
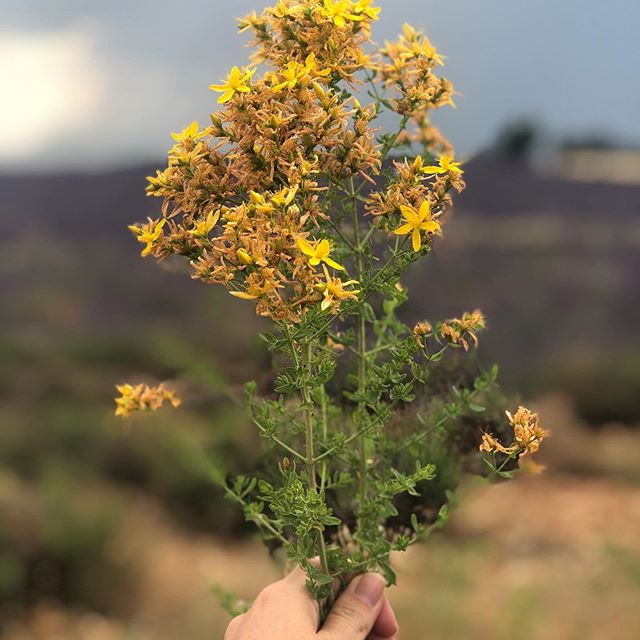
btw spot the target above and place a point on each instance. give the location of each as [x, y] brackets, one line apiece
[52, 82]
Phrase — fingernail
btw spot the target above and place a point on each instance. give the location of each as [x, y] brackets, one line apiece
[370, 588]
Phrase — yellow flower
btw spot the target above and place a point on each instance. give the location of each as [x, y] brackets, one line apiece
[417, 220]
[318, 252]
[262, 205]
[339, 12]
[190, 132]
[142, 397]
[528, 434]
[334, 290]
[148, 234]
[236, 82]
[279, 200]
[296, 73]
[418, 44]
[446, 165]
[203, 227]
[456, 329]
[284, 197]
[244, 257]
[254, 292]
[527, 430]
[364, 7]
[281, 10]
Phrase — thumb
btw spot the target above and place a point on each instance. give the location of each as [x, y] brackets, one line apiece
[355, 612]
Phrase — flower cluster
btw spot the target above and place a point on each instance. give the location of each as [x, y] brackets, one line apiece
[245, 198]
[334, 30]
[458, 330]
[420, 203]
[142, 397]
[527, 435]
[408, 68]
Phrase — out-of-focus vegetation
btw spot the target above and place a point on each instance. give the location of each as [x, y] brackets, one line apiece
[107, 531]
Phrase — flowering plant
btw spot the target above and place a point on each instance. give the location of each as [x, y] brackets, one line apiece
[293, 201]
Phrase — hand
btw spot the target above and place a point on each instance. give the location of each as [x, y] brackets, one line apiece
[285, 610]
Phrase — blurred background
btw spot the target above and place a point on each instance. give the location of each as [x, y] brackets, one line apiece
[112, 530]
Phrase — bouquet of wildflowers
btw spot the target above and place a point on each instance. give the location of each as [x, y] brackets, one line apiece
[297, 204]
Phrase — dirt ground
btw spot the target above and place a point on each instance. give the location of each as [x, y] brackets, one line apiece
[553, 557]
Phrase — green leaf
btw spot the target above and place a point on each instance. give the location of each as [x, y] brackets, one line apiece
[368, 313]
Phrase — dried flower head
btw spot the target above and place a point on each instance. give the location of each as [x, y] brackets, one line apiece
[527, 435]
[142, 397]
[457, 330]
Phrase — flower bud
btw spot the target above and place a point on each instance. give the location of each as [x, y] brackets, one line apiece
[244, 257]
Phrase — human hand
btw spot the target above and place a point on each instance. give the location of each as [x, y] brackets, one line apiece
[285, 610]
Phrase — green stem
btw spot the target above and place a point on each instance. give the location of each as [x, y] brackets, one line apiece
[310, 457]
[362, 343]
[308, 421]
[325, 433]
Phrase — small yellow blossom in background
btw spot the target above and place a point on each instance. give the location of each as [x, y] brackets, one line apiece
[446, 165]
[334, 291]
[417, 44]
[148, 234]
[236, 82]
[456, 329]
[192, 132]
[281, 10]
[417, 221]
[364, 7]
[142, 397]
[318, 252]
[528, 434]
[204, 227]
[339, 12]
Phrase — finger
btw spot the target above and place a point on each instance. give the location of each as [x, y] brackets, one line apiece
[297, 584]
[354, 614]
[386, 625]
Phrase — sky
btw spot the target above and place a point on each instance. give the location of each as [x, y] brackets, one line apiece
[88, 85]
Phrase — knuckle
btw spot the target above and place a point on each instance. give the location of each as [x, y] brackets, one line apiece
[352, 614]
[268, 596]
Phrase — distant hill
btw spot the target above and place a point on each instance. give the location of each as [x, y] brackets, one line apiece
[553, 263]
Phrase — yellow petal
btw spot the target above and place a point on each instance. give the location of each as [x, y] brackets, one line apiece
[324, 248]
[404, 229]
[243, 295]
[409, 214]
[431, 226]
[416, 240]
[326, 303]
[334, 264]
[425, 209]
[305, 247]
